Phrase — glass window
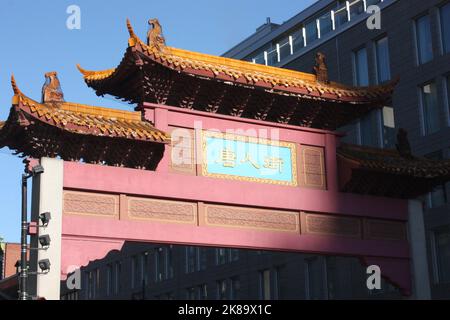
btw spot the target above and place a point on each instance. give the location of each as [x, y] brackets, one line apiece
[356, 8]
[191, 257]
[314, 279]
[234, 254]
[235, 288]
[222, 290]
[311, 32]
[285, 48]
[325, 24]
[298, 42]
[203, 292]
[160, 264]
[445, 27]
[447, 84]
[117, 277]
[430, 108]
[272, 57]
[383, 61]
[265, 284]
[423, 39]
[341, 15]
[144, 268]
[370, 129]
[389, 131]
[221, 256]
[438, 196]
[109, 279]
[372, 2]
[260, 58]
[361, 67]
[442, 245]
[134, 272]
[191, 293]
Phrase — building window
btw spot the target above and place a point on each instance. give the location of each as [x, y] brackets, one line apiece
[265, 288]
[144, 268]
[235, 288]
[311, 32]
[423, 39]
[191, 259]
[134, 272]
[314, 279]
[109, 279]
[341, 14]
[445, 27]
[298, 41]
[221, 256]
[430, 109]
[356, 8]
[222, 290]
[285, 48]
[370, 129]
[164, 263]
[361, 67]
[442, 252]
[117, 277]
[325, 24]
[203, 294]
[438, 196]
[389, 131]
[382, 59]
[191, 293]
[234, 255]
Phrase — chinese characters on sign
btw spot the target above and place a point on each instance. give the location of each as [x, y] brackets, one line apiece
[249, 159]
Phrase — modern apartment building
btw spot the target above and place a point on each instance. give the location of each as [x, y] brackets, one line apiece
[413, 43]
[169, 272]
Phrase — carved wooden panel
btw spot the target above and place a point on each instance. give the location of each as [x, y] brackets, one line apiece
[87, 203]
[260, 219]
[312, 167]
[162, 210]
[182, 151]
[324, 224]
[384, 230]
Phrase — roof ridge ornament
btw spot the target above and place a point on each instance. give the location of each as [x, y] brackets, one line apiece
[14, 85]
[155, 36]
[51, 90]
[321, 69]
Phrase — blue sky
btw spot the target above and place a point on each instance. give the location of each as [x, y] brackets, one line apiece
[34, 40]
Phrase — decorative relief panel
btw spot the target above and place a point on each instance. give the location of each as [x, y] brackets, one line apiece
[86, 203]
[384, 230]
[331, 225]
[162, 210]
[182, 150]
[312, 167]
[273, 220]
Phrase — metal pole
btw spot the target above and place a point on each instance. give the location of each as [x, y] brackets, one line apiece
[23, 243]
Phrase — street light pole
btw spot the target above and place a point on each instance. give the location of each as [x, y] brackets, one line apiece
[23, 242]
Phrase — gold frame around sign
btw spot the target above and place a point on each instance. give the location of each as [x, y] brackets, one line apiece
[226, 136]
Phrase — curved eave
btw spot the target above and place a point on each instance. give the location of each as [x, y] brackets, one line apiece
[276, 80]
[82, 122]
[380, 172]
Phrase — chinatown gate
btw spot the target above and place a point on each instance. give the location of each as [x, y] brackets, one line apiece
[223, 153]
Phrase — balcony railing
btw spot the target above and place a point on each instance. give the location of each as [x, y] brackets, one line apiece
[312, 30]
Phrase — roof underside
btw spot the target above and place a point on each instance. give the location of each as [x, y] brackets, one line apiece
[232, 87]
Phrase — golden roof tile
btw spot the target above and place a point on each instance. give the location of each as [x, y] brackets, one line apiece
[185, 60]
[90, 120]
